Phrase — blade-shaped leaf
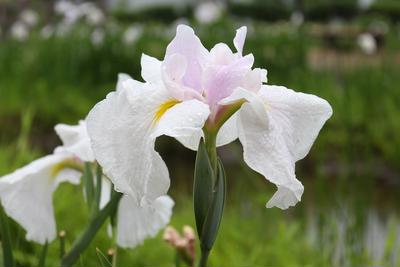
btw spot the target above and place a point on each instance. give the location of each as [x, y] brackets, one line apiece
[89, 184]
[104, 261]
[8, 259]
[202, 186]
[43, 255]
[214, 216]
[89, 233]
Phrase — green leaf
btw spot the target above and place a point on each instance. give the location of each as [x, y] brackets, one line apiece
[43, 255]
[202, 186]
[97, 191]
[8, 259]
[214, 215]
[89, 184]
[104, 262]
[89, 233]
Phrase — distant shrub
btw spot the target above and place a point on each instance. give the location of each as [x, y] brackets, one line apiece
[389, 8]
[164, 13]
[263, 10]
[323, 10]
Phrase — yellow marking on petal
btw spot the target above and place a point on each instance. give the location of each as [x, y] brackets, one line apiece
[266, 105]
[163, 108]
[66, 164]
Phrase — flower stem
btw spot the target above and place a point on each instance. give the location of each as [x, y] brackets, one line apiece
[42, 259]
[8, 259]
[210, 138]
[91, 230]
[204, 258]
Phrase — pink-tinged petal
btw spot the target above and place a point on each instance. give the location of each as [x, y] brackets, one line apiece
[263, 75]
[173, 70]
[189, 45]
[221, 80]
[221, 54]
[239, 94]
[239, 39]
[253, 80]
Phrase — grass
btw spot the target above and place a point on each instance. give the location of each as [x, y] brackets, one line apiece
[351, 173]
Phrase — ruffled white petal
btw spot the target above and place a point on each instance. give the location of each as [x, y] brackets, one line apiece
[239, 94]
[228, 132]
[300, 115]
[122, 77]
[26, 196]
[270, 127]
[75, 140]
[135, 223]
[120, 127]
[151, 69]
[105, 193]
[263, 75]
[265, 151]
[184, 121]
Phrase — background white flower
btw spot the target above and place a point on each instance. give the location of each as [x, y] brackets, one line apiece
[26, 194]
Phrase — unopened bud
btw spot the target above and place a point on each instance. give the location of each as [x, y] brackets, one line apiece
[110, 252]
[171, 235]
[181, 243]
[188, 233]
[62, 234]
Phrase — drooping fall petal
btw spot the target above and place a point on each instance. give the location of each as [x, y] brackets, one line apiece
[136, 223]
[27, 195]
[123, 129]
[75, 140]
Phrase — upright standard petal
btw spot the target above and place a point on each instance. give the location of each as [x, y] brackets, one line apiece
[75, 140]
[239, 39]
[221, 80]
[122, 77]
[136, 223]
[187, 44]
[26, 195]
[151, 69]
[277, 129]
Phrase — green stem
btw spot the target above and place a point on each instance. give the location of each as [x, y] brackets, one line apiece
[91, 230]
[42, 259]
[89, 184]
[61, 236]
[204, 258]
[8, 259]
[210, 140]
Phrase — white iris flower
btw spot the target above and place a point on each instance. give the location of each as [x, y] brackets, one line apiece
[192, 90]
